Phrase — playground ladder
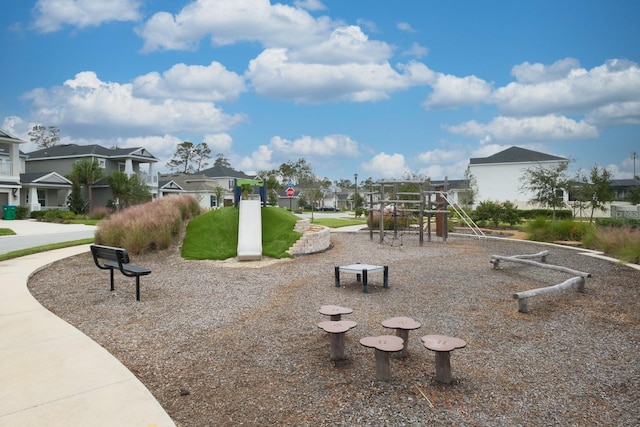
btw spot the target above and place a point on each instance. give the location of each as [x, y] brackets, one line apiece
[462, 214]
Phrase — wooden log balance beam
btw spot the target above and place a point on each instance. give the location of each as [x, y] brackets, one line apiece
[495, 260]
[523, 297]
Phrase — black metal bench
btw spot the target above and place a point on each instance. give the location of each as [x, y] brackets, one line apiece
[111, 258]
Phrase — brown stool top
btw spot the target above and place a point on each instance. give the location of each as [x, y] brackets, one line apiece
[337, 327]
[401, 323]
[383, 342]
[332, 310]
[442, 343]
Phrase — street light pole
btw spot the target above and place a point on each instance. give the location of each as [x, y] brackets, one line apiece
[355, 202]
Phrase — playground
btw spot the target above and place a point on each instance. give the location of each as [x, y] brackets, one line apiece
[241, 346]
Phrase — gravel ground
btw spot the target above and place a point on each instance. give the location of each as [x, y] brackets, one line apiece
[230, 344]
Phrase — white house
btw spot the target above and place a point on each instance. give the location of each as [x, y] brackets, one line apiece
[498, 177]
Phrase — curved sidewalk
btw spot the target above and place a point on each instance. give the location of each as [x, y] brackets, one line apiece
[51, 373]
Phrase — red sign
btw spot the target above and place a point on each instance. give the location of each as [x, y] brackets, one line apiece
[290, 192]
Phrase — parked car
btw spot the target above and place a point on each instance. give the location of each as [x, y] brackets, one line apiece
[328, 208]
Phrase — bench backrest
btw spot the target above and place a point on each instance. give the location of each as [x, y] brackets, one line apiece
[110, 253]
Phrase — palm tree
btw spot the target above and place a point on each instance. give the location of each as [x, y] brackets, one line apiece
[87, 172]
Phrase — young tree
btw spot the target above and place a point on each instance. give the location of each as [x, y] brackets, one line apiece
[44, 136]
[219, 196]
[221, 161]
[75, 202]
[202, 155]
[86, 173]
[547, 185]
[190, 157]
[634, 195]
[128, 190]
[597, 190]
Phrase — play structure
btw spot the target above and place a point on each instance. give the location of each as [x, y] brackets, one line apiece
[250, 221]
[431, 202]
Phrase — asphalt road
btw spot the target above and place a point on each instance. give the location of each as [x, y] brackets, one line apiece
[31, 233]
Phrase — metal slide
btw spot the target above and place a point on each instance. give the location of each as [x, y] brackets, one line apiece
[463, 215]
[250, 231]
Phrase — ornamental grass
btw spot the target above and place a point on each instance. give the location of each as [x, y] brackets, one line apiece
[149, 226]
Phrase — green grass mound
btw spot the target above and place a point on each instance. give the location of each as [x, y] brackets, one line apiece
[214, 235]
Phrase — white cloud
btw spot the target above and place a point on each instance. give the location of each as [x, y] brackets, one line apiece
[191, 82]
[527, 73]
[616, 81]
[230, 21]
[387, 166]
[440, 156]
[259, 160]
[306, 146]
[219, 142]
[85, 104]
[345, 45]
[51, 15]
[309, 4]
[273, 75]
[404, 26]
[620, 113]
[416, 50]
[527, 129]
[452, 92]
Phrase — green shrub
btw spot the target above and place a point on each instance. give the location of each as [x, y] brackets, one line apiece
[22, 212]
[545, 213]
[488, 211]
[37, 214]
[620, 242]
[57, 215]
[543, 230]
[618, 222]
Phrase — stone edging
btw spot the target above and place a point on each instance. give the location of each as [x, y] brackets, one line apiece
[315, 238]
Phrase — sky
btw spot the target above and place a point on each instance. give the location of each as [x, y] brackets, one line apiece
[383, 89]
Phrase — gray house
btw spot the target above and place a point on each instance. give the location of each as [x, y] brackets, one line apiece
[60, 159]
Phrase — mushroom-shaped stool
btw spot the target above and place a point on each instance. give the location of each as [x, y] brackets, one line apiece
[442, 346]
[402, 325]
[334, 311]
[336, 330]
[384, 344]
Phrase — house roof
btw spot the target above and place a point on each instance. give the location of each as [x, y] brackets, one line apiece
[6, 136]
[44, 179]
[187, 182]
[624, 182]
[516, 155]
[92, 150]
[225, 172]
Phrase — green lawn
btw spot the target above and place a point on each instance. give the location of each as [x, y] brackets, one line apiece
[214, 235]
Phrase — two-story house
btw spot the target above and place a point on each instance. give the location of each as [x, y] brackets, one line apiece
[498, 177]
[11, 165]
[61, 158]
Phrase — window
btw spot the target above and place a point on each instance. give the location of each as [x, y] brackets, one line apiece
[102, 163]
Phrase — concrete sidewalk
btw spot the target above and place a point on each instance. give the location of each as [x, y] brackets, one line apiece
[51, 373]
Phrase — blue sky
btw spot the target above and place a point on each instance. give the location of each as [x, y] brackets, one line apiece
[378, 88]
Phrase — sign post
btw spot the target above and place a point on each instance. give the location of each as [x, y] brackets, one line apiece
[290, 193]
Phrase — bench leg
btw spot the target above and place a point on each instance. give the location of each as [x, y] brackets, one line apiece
[137, 288]
[337, 277]
[385, 283]
[111, 272]
[365, 286]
